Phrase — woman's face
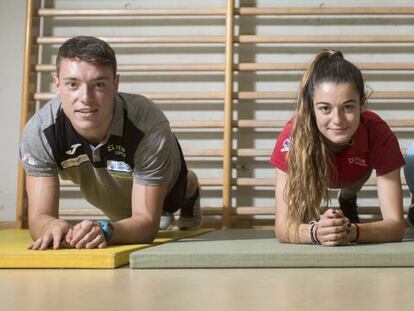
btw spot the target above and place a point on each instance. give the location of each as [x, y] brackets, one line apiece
[337, 110]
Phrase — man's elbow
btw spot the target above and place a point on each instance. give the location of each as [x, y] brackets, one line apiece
[149, 238]
[150, 231]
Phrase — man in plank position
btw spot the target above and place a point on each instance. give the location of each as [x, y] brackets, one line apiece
[117, 147]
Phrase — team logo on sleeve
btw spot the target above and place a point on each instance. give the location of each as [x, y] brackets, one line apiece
[118, 166]
[286, 144]
[29, 159]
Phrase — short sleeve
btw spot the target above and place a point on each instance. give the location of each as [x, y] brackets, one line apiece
[281, 149]
[35, 152]
[384, 150]
[157, 158]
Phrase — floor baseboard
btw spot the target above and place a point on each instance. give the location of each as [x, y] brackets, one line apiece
[7, 224]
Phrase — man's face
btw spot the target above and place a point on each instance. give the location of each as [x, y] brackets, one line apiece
[87, 93]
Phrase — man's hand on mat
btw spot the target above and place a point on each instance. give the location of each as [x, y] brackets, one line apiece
[86, 234]
[333, 228]
[53, 236]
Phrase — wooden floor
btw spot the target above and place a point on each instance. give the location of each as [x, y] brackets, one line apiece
[208, 289]
[214, 289]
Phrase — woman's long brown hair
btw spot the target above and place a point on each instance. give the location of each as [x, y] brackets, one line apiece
[309, 167]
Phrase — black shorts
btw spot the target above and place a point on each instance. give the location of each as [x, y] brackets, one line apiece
[174, 199]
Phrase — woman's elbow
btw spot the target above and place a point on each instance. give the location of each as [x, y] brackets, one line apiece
[281, 235]
[396, 231]
[399, 231]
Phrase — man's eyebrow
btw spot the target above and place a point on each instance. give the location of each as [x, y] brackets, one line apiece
[76, 79]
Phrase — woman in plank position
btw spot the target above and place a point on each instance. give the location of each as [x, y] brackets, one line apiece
[333, 141]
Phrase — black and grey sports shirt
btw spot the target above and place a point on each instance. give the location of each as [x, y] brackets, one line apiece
[139, 148]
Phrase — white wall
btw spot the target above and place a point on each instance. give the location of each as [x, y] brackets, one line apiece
[12, 16]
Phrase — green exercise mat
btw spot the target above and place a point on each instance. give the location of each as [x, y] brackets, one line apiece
[250, 248]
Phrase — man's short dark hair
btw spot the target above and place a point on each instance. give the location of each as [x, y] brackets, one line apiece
[88, 49]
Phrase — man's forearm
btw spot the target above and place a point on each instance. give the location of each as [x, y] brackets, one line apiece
[134, 230]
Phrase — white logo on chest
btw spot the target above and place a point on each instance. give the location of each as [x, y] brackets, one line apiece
[357, 161]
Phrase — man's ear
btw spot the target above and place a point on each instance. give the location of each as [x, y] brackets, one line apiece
[116, 82]
[57, 83]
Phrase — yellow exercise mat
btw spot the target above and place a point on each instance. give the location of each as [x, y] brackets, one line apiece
[14, 252]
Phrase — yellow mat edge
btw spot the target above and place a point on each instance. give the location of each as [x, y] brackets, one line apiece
[42, 259]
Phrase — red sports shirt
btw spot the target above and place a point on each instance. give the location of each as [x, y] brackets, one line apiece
[374, 145]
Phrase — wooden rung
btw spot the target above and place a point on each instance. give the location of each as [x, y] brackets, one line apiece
[403, 95]
[248, 210]
[210, 211]
[196, 124]
[244, 181]
[293, 95]
[203, 182]
[254, 182]
[303, 66]
[242, 152]
[238, 11]
[151, 67]
[236, 124]
[280, 123]
[147, 40]
[344, 39]
[259, 123]
[385, 66]
[327, 11]
[271, 182]
[401, 123]
[251, 152]
[238, 67]
[85, 212]
[203, 152]
[95, 212]
[157, 96]
[133, 12]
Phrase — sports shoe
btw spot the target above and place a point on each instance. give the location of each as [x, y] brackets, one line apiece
[167, 221]
[349, 208]
[190, 213]
[410, 215]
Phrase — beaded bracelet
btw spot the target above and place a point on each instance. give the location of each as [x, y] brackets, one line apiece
[358, 231]
[312, 233]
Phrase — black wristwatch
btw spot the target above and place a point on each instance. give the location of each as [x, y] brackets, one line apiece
[106, 228]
